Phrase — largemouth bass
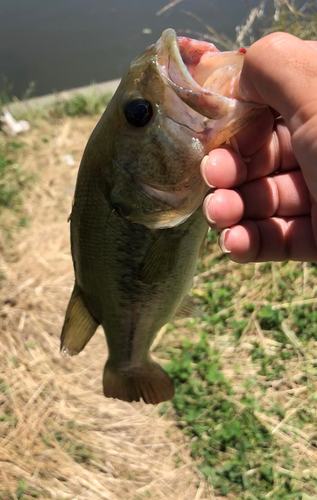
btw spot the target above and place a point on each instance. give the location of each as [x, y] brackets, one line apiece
[137, 225]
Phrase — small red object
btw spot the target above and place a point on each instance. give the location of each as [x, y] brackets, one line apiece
[242, 50]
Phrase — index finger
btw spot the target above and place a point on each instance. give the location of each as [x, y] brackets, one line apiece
[280, 70]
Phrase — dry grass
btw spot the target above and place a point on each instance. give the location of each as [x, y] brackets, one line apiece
[297, 18]
[60, 438]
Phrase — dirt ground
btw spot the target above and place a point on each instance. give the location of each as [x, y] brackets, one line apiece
[60, 438]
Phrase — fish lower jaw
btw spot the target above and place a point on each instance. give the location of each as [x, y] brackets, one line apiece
[165, 224]
[177, 206]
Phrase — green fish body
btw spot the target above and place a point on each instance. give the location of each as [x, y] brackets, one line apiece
[137, 226]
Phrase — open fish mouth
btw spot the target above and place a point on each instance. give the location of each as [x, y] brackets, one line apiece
[196, 104]
[203, 79]
[201, 76]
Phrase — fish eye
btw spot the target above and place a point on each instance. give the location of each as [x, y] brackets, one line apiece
[138, 112]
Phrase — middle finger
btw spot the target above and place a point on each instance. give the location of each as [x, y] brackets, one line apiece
[278, 195]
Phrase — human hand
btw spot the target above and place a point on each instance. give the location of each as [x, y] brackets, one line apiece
[267, 206]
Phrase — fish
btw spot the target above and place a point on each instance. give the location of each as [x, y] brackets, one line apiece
[137, 225]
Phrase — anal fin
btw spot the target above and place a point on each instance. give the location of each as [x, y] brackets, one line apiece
[79, 325]
[148, 382]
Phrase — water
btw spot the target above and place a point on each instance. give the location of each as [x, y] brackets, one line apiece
[61, 44]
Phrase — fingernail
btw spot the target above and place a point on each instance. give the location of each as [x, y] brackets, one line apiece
[221, 241]
[207, 203]
[203, 169]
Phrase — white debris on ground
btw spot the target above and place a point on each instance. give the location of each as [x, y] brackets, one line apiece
[69, 160]
[10, 126]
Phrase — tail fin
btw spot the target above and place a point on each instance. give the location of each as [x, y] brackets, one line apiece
[148, 382]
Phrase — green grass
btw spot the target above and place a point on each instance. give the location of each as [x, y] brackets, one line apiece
[89, 103]
[246, 377]
[68, 439]
[11, 175]
[14, 180]
[227, 441]
[236, 451]
[238, 377]
[23, 492]
[79, 105]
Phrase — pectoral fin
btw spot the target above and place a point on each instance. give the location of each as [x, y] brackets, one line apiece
[188, 309]
[79, 325]
[160, 259]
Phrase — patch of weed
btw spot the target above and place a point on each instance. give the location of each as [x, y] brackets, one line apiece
[212, 237]
[301, 22]
[24, 491]
[3, 386]
[12, 177]
[80, 104]
[238, 327]
[5, 90]
[9, 182]
[270, 318]
[13, 181]
[78, 451]
[304, 320]
[235, 451]
[9, 418]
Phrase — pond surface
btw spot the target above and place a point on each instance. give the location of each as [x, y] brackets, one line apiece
[61, 44]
